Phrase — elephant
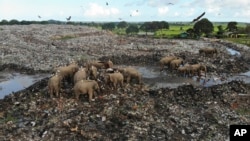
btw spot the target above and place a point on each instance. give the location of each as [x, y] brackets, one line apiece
[68, 72]
[93, 72]
[174, 64]
[197, 68]
[86, 87]
[81, 74]
[208, 51]
[109, 64]
[54, 84]
[131, 73]
[114, 79]
[100, 64]
[184, 69]
[166, 61]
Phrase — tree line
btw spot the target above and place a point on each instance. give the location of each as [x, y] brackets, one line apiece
[203, 27]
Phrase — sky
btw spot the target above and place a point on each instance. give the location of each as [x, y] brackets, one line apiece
[125, 10]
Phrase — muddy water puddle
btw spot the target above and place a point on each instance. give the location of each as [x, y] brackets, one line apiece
[13, 82]
[151, 76]
[233, 52]
[156, 79]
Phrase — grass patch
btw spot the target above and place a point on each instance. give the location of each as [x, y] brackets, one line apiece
[245, 41]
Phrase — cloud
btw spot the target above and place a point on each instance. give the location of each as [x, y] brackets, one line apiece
[243, 13]
[163, 10]
[95, 10]
[190, 12]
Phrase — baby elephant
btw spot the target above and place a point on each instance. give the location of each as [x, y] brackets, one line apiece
[86, 87]
[54, 84]
[114, 79]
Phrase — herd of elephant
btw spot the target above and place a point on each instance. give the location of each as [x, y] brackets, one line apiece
[87, 79]
[177, 63]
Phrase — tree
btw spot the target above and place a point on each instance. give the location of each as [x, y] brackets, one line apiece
[154, 25]
[4, 22]
[203, 26]
[247, 29]
[13, 22]
[164, 25]
[132, 29]
[220, 31]
[145, 27]
[190, 32]
[108, 26]
[122, 24]
[232, 26]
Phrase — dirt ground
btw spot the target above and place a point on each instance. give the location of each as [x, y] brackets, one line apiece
[168, 106]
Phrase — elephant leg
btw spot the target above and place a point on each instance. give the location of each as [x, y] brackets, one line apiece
[139, 79]
[162, 66]
[121, 84]
[115, 84]
[128, 79]
[51, 92]
[57, 92]
[77, 96]
[90, 96]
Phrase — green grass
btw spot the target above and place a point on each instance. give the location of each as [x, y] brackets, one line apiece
[175, 30]
[245, 41]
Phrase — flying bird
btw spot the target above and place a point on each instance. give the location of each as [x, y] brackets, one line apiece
[170, 3]
[39, 17]
[68, 18]
[107, 3]
[196, 19]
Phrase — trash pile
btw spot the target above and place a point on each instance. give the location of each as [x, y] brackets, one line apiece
[135, 112]
[132, 113]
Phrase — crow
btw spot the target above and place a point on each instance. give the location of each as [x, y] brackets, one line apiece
[196, 19]
[68, 18]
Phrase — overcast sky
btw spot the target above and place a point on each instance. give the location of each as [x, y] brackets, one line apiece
[127, 10]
